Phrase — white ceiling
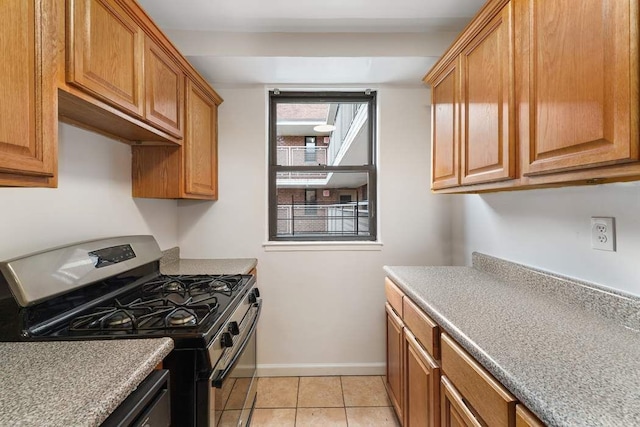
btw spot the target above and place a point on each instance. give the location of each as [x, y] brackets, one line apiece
[307, 42]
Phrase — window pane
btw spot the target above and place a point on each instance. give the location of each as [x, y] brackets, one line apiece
[344, 140]
[333, 204]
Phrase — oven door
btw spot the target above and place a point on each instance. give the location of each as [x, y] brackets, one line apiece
[233, 381]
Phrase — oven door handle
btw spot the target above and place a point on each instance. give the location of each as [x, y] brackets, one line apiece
[222, 376]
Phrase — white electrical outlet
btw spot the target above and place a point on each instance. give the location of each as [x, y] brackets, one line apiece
[603, 233]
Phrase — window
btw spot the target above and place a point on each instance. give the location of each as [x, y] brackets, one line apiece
[322, 166]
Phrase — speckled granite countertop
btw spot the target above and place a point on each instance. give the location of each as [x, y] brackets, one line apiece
[171, 263]
[568, 350]
[72, 383]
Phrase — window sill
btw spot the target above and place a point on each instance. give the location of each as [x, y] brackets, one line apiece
[321, 246]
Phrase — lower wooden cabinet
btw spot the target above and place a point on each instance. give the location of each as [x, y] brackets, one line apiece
[524, 418]
[432, 381]
[455, 413]
[395, 365]
[422, 380]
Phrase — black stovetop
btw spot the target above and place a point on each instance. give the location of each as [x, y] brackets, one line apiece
[189, 309]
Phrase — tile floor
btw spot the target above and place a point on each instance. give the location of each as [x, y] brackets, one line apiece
[323, 401]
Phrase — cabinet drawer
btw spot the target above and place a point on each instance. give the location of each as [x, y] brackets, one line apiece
[423, 328]
[492, 402]
[524, 418]
[394, 295]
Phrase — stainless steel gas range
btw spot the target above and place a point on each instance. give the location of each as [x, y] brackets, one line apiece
[112, 289]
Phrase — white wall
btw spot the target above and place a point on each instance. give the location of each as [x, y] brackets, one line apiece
[551, 229]
[93, 200]
[323, 310]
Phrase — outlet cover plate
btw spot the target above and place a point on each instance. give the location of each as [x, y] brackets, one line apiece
[603, 233]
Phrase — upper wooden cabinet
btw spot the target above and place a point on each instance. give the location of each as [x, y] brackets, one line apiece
[164, 89]
[201, 144]
[487, 110]
[445, 112]
[105, 53]
[548, 96]
[579, 71]
[28, 116]
[190, 171]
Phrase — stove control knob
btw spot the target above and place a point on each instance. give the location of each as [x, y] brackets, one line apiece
[252, 298]
[234, 328]
[226, 340]
[256, 291]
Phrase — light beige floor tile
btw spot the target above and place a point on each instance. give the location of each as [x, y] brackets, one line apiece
[364, 391]
[277, 392]
[320, 392]
[321, 417]
[229, 419]
[273, 418]
[371, 417]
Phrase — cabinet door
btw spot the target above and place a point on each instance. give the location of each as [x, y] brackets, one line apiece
[28, 124]
[454, 411]
[395, 345]
[422, 379]
[578, 94]
[201, 144]
[487, 104]
[445, 167]
[105, 53]
[164, 89]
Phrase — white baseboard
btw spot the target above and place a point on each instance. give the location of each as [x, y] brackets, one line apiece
[320, 369]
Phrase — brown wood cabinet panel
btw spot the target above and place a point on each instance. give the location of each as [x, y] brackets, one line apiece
[524, 418]
[164, 89]
[395, 361]
[422, 380]
[455, 413]
[578, 93]
[494, 404]
[105, 53]
[445, 167]
[425, 330]
[201, 144]
[487, 110]
[394, 296]
[28, 125]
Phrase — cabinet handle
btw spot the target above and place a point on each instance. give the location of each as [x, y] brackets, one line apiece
[458, 401]
[397, 320]
[413, 342]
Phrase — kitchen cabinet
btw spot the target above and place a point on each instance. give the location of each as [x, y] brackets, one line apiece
[445, 112]
[454, 411]
[105, 53]
[201, 144]
[422, 379]
[433, 381]
[164, 89]
[485, 397]
[487, 110]
[524, 418]
[579, 81]
[395, 365]
[548, 96]
[190, 171]
[29, 128]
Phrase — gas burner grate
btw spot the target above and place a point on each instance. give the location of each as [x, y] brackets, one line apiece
[193, 285]
[150, 314]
